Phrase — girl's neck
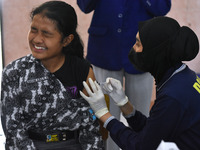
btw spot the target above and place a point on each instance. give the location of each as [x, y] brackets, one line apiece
[54, 64]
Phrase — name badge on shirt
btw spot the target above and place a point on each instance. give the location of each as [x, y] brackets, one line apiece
[52, 138]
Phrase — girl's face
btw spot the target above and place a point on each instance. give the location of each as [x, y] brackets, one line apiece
[45, 40]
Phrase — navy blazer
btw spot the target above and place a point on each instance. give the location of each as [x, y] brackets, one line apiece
[113, 29]
[175, 116]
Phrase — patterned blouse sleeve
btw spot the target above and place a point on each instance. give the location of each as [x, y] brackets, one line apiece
[90, 137]
[80, 116]
[12, 112]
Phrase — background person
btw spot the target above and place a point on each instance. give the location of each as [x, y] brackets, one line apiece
[161, 46]
[41, 105]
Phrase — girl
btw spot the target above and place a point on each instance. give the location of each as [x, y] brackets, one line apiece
[41, 105]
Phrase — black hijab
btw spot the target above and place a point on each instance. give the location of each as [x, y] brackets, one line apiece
[165, 44]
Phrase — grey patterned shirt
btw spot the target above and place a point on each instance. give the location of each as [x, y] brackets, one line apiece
[34, 99]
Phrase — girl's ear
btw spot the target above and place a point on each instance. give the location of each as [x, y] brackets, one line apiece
[68, 40]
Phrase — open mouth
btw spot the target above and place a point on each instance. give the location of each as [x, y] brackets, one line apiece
[39, 48]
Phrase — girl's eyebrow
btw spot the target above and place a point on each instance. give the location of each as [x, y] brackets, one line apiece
[32, 27]
[47, 32]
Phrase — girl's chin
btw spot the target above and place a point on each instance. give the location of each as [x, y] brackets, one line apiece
[37, 56]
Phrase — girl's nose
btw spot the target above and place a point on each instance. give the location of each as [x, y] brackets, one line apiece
[38, 38]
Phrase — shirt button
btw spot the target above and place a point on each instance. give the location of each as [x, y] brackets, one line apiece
[119, 30]
[120, 15]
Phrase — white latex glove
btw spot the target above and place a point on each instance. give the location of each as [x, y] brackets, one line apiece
[167, 146]
[114, 89]
[96, 98]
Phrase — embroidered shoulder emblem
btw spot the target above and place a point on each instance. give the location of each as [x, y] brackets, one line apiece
[196, 85]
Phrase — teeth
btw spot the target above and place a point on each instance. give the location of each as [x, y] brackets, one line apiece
[37, 47]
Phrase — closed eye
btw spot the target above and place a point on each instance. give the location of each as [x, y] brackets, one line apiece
[47, 34]
[33, 30]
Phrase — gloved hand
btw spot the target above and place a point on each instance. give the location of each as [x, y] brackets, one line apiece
[114, 89]
[95, 98]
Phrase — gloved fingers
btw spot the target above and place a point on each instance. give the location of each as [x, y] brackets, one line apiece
[84, 96]
[104, 90]
[93, 86]
[97, 86]
[87, 88]
[108, 80]
[107, 87]
[115, 83]
[99, 90]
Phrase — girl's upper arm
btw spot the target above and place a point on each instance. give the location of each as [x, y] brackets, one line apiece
[90, 75]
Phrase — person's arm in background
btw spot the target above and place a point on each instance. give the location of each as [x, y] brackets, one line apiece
[157, 7]
[87, 5]
[12, 113]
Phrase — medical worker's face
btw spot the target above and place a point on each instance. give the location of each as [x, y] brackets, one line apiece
[136, 54]
[138, 45]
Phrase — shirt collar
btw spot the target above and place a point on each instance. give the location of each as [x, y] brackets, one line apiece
[169, 74]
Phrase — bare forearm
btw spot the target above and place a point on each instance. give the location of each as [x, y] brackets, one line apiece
[127, 108]
[105, 117]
